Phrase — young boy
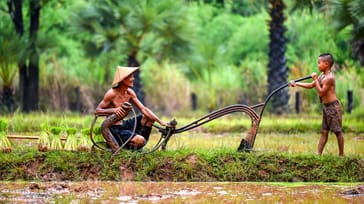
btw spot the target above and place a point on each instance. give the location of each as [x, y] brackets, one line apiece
[331, 114]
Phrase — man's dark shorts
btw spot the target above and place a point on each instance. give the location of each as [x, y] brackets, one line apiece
[332, 117]
[123, 132]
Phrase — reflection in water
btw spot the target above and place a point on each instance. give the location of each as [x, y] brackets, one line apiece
[173, 192]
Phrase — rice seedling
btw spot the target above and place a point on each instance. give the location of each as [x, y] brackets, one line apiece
[5, 145]
[72, 139]
[44, 142]
[97, 134]
[84, 142]
[56, 143]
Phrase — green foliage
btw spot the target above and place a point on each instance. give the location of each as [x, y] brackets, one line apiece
[3, 125]
[222, 53]
[221, 87]
[56, 130]
[71, 131]
[250, 40]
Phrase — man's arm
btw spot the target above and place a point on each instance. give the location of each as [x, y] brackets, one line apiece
[105, 106]
[146, 111]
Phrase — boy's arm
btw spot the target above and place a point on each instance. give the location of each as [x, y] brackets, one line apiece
[303, 85]
[326, 84]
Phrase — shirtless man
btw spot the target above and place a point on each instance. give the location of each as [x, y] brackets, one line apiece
[332, 113]
[115, 105]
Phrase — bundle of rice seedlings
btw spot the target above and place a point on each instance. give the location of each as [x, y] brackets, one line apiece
[97, 135]
[5, 145]
[44, 142]
[56, 143]
[84, 142]
[72, 139]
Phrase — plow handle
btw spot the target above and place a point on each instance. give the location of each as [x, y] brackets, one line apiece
[301, 79]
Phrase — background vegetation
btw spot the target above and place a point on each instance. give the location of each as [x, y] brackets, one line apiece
[217, 51]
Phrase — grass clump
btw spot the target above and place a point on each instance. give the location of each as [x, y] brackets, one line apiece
[5, 145]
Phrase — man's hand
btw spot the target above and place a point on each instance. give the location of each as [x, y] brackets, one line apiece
[163, 123]
[121, 113]
[292, 83]
[314, 76]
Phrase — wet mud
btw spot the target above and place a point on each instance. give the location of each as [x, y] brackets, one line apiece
[178, 192]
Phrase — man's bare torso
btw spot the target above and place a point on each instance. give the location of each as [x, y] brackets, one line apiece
[119, 98]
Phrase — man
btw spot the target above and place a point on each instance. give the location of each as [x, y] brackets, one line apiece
[115, 105]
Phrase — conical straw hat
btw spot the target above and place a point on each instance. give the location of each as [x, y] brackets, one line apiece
[121, 73]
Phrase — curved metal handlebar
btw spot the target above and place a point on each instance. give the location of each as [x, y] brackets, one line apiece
[284, 86]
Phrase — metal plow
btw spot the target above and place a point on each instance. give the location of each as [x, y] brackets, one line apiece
[246, 143]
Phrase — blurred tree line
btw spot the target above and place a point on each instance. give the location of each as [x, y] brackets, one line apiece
[61, 55]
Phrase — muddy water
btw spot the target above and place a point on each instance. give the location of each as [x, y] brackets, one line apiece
[172, 192]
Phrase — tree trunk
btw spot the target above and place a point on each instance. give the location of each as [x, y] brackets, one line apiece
[138, 87]
[8, 98]
[33, 66]
[28, 74]
[277, 69]
[358, 50]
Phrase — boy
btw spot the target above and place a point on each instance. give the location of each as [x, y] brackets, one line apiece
[115, 105]
[325, 87]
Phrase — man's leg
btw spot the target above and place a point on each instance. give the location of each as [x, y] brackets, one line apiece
[340, 142]
[322, 142]
[106, 133]
[139, 141]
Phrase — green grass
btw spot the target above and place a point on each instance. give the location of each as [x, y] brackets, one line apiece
[234, 123]
[276, 142]
[180, 165]
[289, 133]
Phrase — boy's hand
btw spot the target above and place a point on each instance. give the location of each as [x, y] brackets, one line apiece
[314, 76]
[292, 83]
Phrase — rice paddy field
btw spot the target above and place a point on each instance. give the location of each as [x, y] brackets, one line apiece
[289, 133]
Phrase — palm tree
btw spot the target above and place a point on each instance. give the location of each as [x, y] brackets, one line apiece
[10, 53]
[29, 66]
[349, 13]
[144, 28]
[343, 14]
[277, 69]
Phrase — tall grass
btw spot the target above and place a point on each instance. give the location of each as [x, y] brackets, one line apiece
[168, 90]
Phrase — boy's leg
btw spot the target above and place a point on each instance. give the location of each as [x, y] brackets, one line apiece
[340, 142]
[322, 142]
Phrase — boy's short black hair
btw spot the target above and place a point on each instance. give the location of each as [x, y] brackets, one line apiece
[328, 57]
